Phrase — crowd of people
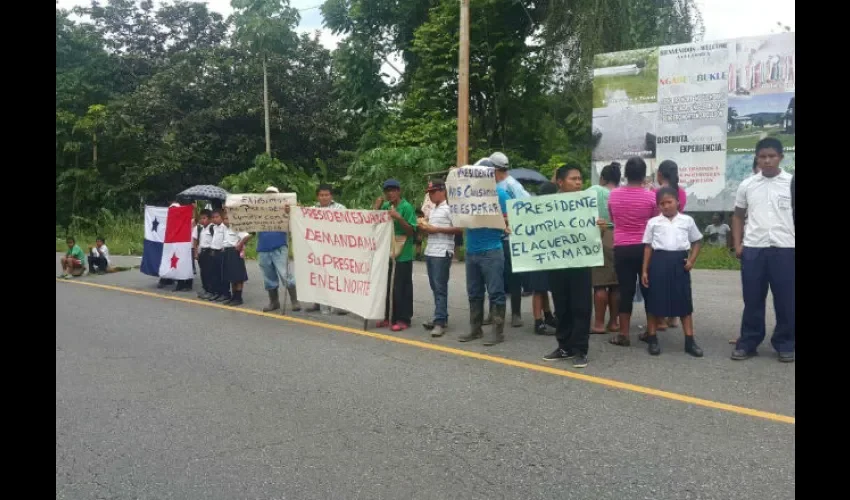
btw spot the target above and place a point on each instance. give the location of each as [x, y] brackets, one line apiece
[649, 248]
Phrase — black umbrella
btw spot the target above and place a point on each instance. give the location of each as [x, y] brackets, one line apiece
[527, 175]
[203, 193]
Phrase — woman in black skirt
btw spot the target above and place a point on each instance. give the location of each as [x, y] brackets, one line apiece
[233, 262]
[667, 266]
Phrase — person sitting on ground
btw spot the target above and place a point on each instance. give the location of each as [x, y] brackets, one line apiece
[99, 256]
[717, 232]
[74, 261]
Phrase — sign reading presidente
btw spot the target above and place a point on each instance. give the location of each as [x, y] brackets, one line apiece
[555, 232]
[259, 212]
[472, 198]
[341, 258]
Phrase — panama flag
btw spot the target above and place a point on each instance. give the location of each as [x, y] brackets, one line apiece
[167, 251]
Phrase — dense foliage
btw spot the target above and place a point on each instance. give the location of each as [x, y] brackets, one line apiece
[151, 100]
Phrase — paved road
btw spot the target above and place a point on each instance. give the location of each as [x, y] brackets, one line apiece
[159, 399]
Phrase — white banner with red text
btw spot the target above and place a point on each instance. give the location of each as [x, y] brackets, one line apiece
[342, 258]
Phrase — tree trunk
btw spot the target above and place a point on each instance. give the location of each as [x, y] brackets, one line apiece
[94, 149]
[266, 107]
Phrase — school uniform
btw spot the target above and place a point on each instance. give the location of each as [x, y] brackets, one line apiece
[219, 285]
[233, 265]
[204, 237]
[669, 283]
[99, 259]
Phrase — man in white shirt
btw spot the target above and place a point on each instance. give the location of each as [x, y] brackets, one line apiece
[716, 233]
[438, 254]
[767, 253]
[99, 256]
[325, 199]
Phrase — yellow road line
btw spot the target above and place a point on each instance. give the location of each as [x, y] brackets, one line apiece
[469, 354]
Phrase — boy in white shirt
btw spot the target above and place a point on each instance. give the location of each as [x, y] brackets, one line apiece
[99, 257]
[220, 288]
[202, 241]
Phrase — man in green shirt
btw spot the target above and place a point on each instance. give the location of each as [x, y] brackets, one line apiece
[74, 261]
[404, 223]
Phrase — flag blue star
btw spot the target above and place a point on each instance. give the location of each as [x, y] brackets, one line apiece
[154, 224]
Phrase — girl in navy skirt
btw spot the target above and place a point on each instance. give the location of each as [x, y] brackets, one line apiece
[672, 242]
[233, 262]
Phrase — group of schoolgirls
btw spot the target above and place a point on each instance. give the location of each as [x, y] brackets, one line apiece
[220, 252]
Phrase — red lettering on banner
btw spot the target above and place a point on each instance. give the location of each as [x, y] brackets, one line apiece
[357, 217]
[333, 283]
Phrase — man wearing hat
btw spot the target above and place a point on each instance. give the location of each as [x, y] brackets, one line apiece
[273, 257]
[438, 254]
[514, 190]
[404, 224]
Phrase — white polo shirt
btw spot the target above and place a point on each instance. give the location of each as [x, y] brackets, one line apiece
[231, 237]
[217, 242]
[440, 244]
[770, 221]
[206, 237]
[671, 235]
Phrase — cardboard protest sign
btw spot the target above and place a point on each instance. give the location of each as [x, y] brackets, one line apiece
[259, 212]
[471, 193]
[342, 257]
[554, 232]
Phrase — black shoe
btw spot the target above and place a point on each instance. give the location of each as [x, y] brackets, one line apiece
[786, 357]
[213, 297]
[551, 321]
[558, 354]
[654, 348]
[692, 348]
[234, 302]
[580, 361]
[539, 327]
[741, 355]
[222, 298]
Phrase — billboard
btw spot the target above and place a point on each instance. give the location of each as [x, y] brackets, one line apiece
[703, 105]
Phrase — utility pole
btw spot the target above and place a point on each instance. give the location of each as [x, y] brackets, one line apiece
[463, 87]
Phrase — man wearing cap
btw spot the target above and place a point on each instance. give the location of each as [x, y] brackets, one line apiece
[438, 254]
[404, 224]
[273, 257]
[514, 190]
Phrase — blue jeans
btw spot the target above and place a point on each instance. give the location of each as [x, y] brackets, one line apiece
[274, 264]
[438, 276]
[485, 272]
[762, 268]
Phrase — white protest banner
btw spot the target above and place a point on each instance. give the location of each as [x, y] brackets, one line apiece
[472, 198]
[342, 258]
[555, 231]
[259, 212]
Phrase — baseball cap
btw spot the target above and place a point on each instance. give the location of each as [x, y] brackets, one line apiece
[436, 186]
[391, 184]
[500, 160]
[272, 189]
[485, 162]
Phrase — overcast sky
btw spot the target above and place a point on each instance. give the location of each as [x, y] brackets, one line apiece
[722, 18]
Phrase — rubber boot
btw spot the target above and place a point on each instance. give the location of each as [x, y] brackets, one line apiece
[476, 317]
[293, 297]
[496, 335]
[488, 320]
[274, 301]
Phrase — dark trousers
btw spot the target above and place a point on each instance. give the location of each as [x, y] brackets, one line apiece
[438, 278]
[402, 293]
[628, 264]
[762, 268]
[204, 264]
[513, 282]
[97, 264]
[215, 278]
[572, 292]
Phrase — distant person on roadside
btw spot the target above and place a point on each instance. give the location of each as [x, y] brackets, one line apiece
[767, 253]
[717, 232]
[99, 256]
[325, 199]
[538, 285]
[668, 176]
[606, 292]
[74, 261]
[233, 262]
[438, 254]
[273, 259]
[514, 190]
[400, 287]
[671, 247]
[221, 287]
[630, 207]
[572, 290]
[203, 244]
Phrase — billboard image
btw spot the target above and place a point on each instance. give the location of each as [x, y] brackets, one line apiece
[711, 103]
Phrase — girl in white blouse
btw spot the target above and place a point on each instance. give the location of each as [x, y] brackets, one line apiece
[672, 243]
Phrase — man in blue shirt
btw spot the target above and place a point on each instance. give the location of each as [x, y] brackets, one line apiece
[273, 257]
[485, 267]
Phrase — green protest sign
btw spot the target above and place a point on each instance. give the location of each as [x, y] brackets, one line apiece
[554, 232]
